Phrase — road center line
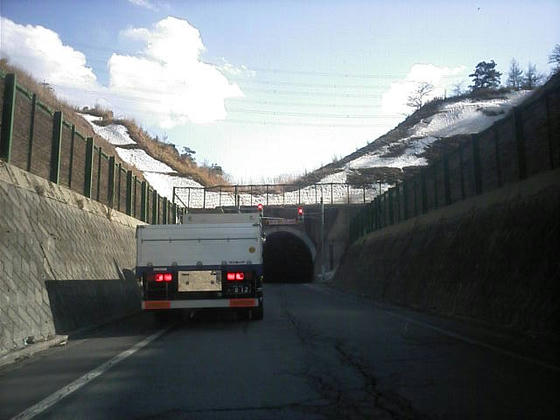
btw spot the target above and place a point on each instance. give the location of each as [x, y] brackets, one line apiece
[460, 337]
[83, 380]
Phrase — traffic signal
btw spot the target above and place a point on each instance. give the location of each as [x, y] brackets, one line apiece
[260, 207]
[300, 213]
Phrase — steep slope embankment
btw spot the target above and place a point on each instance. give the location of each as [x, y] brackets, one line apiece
[66, 260]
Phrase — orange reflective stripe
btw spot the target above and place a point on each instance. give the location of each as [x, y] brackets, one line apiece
[242, 302]
[157, 304]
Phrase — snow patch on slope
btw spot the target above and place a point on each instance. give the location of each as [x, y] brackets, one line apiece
[116, 134]
[462, 117]
[164, 183]
[143, 161]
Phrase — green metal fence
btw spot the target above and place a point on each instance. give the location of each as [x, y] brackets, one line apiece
[37, 139]
[522, 144]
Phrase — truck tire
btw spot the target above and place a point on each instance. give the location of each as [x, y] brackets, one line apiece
[257, 313]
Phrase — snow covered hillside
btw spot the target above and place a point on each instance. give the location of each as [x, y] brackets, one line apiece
[158, 174]
[408, 148]
[382, 161]
[163, 178]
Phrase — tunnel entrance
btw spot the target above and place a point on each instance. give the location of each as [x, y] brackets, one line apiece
[287, 259]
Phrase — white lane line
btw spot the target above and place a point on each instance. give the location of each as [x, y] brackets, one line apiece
[459, 336]
[83, 380]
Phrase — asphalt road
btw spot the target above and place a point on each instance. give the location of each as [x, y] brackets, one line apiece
[318, 353]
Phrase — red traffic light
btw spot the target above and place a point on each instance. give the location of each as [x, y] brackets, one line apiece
[300, 211]
[260, 207]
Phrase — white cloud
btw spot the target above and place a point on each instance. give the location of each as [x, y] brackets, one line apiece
[242, 70]
[144, 3]
[167, 83]
[41, 52]
[442, 78]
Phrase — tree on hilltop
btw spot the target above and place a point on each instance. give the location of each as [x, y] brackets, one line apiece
[532, 78]
[485, 76]
[416, 98]
[515, 75]
[554, 58]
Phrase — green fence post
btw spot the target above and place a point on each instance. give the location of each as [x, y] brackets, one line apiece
[405, 199]
[8, 111]
[434, 169]
[129, 192]
[134, 195]
[476, 164]
[397, 203]
[56, 147]
[520, 141]
[391, 213]
[119, 183]
[164, 212]
[88, 170]
[462, 168]
[71, 162]
[111, 186]
[415, 195]
[424, 192]
[446, 182]
[549, 130]
[498, 160]
[174, 213]
[155, 209]
[144, 201]
[31, 131]
[99, 152]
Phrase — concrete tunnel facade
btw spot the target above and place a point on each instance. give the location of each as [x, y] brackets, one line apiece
[289, 255]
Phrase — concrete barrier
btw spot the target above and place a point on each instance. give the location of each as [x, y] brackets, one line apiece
[493, 258]
[65, 260]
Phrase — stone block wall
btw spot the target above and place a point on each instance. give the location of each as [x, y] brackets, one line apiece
[65, 261]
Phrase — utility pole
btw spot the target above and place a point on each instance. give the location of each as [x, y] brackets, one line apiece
[322, 239]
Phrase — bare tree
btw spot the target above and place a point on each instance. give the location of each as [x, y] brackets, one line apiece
[532, 78]
[554, 58]
[416, 98]
[458, 88]
[515, 75]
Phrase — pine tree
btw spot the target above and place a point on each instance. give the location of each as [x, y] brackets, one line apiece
[485, 76]
[515, 75]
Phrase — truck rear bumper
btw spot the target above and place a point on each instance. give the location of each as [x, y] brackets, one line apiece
[200, 303]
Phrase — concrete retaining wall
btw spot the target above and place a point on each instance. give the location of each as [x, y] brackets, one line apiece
[494, 258]
[65, 260]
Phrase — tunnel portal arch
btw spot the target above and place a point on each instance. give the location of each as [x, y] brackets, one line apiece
[297, 233]
[288, 256]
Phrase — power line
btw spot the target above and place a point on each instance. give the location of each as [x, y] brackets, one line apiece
[322, 105]
[311, 114]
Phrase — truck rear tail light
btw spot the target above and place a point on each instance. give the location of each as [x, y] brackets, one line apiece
[163, 277]
[238, 276]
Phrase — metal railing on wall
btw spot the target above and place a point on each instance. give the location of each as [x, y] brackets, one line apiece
[522, 144]
[37, 139]
[274, 194]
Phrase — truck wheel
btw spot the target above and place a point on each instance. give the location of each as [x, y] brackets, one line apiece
[257, 313]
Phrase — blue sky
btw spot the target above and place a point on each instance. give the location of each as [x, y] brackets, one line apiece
[298, 82]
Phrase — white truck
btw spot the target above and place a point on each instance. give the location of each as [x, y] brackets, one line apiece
[208, 261]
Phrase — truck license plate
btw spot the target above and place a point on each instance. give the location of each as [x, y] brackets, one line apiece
[200, 281]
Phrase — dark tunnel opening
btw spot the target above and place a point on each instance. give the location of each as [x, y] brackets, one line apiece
[287, 259]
